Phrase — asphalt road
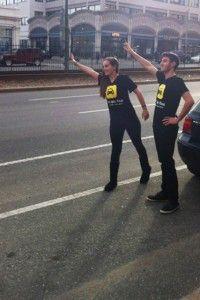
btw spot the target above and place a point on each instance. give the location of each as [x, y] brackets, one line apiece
[61, 237]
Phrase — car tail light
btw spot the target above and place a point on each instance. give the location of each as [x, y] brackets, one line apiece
[187, 125]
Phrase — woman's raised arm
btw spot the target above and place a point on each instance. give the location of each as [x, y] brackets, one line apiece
[87, 70]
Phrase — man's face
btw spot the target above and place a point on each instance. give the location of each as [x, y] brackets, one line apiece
[166, 64]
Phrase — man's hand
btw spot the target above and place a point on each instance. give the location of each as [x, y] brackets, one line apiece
[127, 47]
[145, 114]
[170, 121]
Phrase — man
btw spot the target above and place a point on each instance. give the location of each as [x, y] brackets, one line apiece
[165, 122]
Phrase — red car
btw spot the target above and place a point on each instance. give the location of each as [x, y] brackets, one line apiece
[29, 56]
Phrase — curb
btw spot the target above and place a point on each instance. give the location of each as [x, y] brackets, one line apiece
[46, 88]
[66, 87]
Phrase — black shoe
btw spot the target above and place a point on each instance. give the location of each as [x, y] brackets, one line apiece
[145, 176]
[169, 208]
[157, 197]
[110, 186]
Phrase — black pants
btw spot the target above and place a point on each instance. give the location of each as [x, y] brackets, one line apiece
[165, 139]
[118, 125]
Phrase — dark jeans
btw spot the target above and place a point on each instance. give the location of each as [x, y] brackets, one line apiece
[132, 125]
[165, 139]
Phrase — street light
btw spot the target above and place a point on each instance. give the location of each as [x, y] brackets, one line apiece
[115, 34]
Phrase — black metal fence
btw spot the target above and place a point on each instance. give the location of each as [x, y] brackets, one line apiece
[17, 59]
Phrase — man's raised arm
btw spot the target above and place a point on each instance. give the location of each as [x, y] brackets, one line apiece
[144, 62]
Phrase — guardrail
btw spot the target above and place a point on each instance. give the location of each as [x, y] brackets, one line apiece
[56, 63]
[74, 73]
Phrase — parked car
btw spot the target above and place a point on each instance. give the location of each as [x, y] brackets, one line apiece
[28, 56]
[189, 141]
[195, 59]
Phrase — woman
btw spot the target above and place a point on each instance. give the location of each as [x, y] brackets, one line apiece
[115, 88]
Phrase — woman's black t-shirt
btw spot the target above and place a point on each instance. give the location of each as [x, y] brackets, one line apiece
[168, 97]
[117, 93]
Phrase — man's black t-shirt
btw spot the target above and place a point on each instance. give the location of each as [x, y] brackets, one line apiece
[117, 93]
[168, 97]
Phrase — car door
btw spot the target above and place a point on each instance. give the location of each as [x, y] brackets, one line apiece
[195, 132]
[19, 56]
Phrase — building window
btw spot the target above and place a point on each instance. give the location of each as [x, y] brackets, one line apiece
[5, 38]
[156, 13]
[136, 11]
[111, 6]
[52, 13]
[179, 2]
[23, 43]
[10, 2]
[38, 13]
[124, 9]
[24, 21]
[194, 17]
[17, 1]
[38, 0]
[71, 11]
[95, 7]
[193, 3]
[165, 1]
[80, 8]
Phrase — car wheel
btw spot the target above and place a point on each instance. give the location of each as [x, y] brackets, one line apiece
[193, 171]
[8, 63]
[37, 62]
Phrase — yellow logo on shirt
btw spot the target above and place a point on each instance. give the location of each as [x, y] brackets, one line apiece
[161, 90]
[111, 92]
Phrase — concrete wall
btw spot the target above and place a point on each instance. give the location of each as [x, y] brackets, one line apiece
[10, 18]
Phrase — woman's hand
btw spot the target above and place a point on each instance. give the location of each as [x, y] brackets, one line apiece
[89, 71]
[72, 58]
[145, 114]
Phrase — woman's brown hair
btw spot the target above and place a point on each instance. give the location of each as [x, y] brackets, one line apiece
[104, 82]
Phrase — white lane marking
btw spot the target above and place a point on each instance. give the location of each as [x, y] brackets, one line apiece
[75, 96]
[33, 207]
[29, 159]
[63, 97]
[93, 111]
[24, 160]
[101, 110]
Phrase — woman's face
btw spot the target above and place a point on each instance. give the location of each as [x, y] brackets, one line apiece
[108, 68]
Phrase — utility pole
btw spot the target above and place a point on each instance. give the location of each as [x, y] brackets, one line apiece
[186, 36]
[66, 37]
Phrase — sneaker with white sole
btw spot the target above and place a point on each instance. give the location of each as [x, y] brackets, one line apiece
[159, 197]
[169, 208]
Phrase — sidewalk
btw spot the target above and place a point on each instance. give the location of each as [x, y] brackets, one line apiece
[62, 81]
